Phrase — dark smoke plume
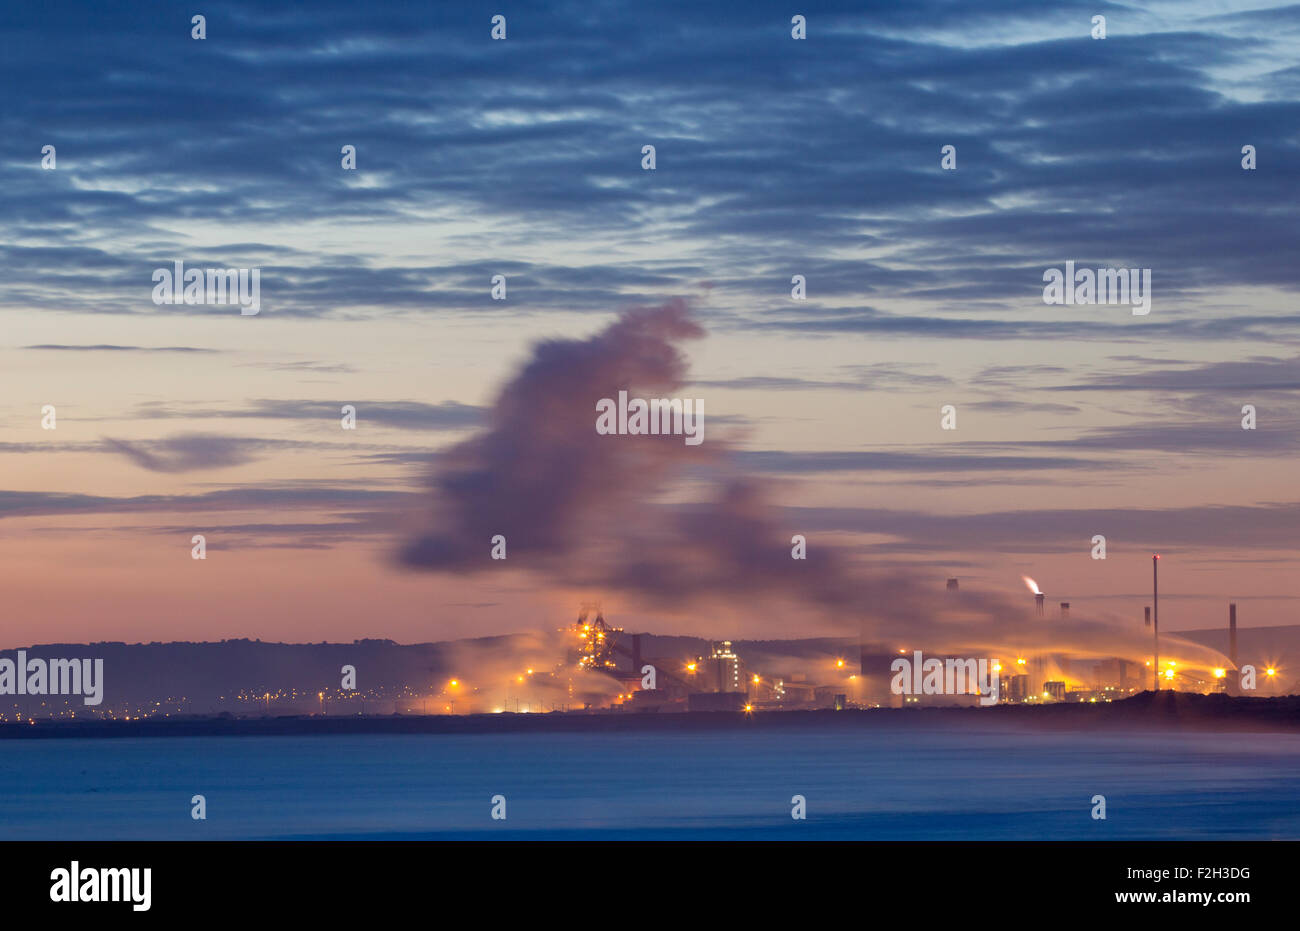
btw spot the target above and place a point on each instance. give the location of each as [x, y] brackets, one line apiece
[678, 526]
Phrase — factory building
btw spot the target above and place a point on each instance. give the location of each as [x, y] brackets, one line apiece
[725, 667]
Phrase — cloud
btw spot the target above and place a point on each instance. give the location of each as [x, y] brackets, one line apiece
[1257, 374]
[879, 375]
[189, 452]
[1062, 530]
[775, 156]
[934, 460]
[111, 348]
[300, 494]
[401, 415]
[1010, 406]
[777, 383]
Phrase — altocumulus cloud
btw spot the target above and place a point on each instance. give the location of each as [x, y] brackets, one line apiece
[1120, 150]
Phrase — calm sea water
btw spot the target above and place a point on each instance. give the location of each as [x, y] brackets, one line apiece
[870, 783]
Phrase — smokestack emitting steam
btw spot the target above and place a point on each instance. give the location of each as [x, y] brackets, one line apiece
[1155, 614]
[1232, 646]
[584, 509]
[580, 509]
[1039, 598]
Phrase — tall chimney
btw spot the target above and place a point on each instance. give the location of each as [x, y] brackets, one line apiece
[1147, 621]
[1155, 615]
[1039, 600]
[952, 585]
[1232, 649]
[1065, 610]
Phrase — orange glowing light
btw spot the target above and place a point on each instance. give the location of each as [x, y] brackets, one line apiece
[839, 664]
[1270, 671]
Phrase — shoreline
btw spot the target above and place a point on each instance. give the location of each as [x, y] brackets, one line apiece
[1163, 711]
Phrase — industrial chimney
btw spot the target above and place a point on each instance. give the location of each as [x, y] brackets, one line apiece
[1065, 610]
[952, 585]
[1039, 600]
[1232, 648]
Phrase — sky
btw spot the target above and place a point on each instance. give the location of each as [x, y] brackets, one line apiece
[522, 157]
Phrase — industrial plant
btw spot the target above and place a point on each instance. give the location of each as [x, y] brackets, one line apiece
[592, 666]
[725, 679]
